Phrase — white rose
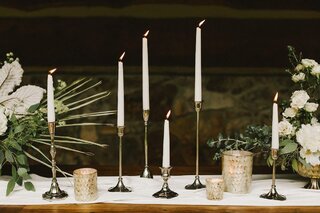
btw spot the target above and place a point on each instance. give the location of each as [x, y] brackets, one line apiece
[309, 62]
[311, 157]
[3, 122]
[285, 128]
[298, 77]
[314, 121]
[308, 137]
[311, 107]
[315, 71]
[290, 112]
[299, 98]
[299, 68]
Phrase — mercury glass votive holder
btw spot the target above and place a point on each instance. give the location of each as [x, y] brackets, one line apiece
[214, 188]
[237, 171]
[85, 184]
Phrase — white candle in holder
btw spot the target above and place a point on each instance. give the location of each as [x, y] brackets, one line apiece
[166, 142]
[120, 107]
[50, 97]
[145, 73]
[198, 84]
[275, 124]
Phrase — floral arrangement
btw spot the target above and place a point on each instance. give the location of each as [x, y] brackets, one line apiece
[299, 129]
[23, 120]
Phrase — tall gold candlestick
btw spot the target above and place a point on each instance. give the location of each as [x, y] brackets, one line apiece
[273, 194]
[146, 173]
[120, 187]
[55, 193]
[197, 184]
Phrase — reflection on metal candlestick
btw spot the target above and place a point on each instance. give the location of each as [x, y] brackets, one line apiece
[165, 192]
[120, 187]
[146, 173]
[273, 194]
[197, 184]
[55, 193]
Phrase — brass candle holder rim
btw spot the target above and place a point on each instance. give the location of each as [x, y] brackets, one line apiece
[237, 153]
[84, 171]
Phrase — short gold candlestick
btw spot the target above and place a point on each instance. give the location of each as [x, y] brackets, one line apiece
[120, 187]
[197, 184]
[146, 173]
[273, 194]
[165, 192]
[55, 193]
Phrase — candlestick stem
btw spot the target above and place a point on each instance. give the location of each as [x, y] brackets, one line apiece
[197, 184]
[120, 187]
[55, 193]
[273, 194]
[146, 173]
[165, 192]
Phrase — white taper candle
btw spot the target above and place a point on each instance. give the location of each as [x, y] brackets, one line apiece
[50, 97]
[275, 124]
[120, 106]
[198, 83]
[166, 143]
[145, 73]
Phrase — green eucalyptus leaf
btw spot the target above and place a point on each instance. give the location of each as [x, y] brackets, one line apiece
[19, 129]
[290, 147]
[29, 186]
[2, 157]
[22, 159]
[9, 156]
[10, 186]
[22, 171]
[294, 165]
[13, 172]
[33, 108]
[285, 142]
[19, 181]
[16, 146]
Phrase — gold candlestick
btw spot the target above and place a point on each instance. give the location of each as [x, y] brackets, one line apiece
[273, 194]
[55, 193]
[165, 192]
[197, 184]
[146, 173]
[120, 187]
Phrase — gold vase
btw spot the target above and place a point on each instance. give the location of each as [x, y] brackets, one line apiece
[311, 172]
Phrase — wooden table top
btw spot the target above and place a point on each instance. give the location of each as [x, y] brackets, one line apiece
[72, 208]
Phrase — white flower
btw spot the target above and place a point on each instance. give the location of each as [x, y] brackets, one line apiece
[311, 157]
[299, 98]
[314, 121]
[311, 107]
[299, 67]
[308, 137]
[315, 71]
[309, 62]
[298, 77]
[3, 122]
[285, 128]
[290, 112]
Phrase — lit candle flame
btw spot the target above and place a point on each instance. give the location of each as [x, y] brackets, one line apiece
[168, 114]
[52, 71]
[201, 22]
[146, 34]
[275, 97]
[121, 57]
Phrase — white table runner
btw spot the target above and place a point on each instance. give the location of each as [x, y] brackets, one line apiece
[143, 190]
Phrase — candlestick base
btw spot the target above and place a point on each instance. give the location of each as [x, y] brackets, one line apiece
[165, 192]
[196, 184]
[273, 195]
[55, 193]
[146, 173]
[120, 187]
